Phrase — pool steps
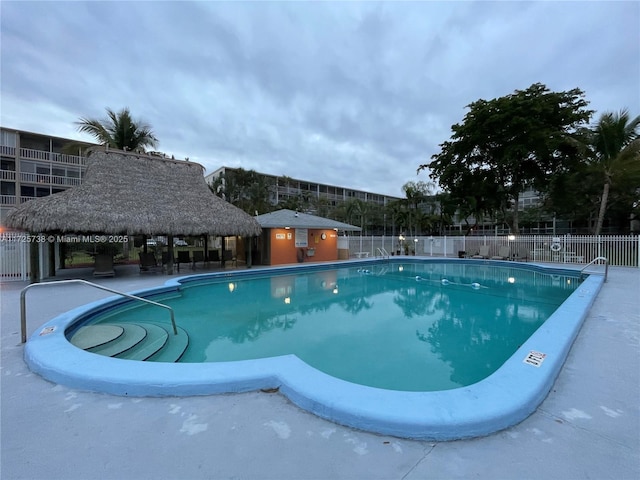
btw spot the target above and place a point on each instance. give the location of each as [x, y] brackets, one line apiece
[133, 341]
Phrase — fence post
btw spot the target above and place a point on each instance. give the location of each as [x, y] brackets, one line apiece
[24, 261]
[599, 243]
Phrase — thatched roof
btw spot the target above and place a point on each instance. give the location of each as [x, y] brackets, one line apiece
[288, 218]
[130, 193]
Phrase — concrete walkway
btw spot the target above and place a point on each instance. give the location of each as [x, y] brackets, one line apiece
[588, 427]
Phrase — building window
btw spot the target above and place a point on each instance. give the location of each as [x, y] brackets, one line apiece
[8, 139]
[8, 164]
[34, 167]
[7, 188]
[27, 191]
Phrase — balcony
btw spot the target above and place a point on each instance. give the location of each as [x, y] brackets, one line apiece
[8, 151]
[7, 175]
[30, 154]
[7, 199]
[65, 181]
[13, 199]
[35, 178]
[69, 159]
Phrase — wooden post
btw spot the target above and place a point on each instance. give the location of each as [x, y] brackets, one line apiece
[52, 258]
[34, 260]
[170, 255]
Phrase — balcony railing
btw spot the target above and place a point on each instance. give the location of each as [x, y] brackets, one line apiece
[7, 199]
[35, 178]
[68, 159]
[7, 175]
[66, 181]
[31, 154]
[9, 151]
[34, 154]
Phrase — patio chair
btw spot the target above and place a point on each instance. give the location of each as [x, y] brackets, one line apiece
[504, 253]
[214, 256]
[103, 266]
[521, 255]
[148, 262]
[228, 257]
[198, 256]
[482, 253]
[183, 257]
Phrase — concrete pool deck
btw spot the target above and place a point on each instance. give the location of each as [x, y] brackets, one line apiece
[588, 426]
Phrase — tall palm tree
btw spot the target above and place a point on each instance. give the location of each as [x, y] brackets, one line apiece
[119, 130]
[616, 146]
[357, 211]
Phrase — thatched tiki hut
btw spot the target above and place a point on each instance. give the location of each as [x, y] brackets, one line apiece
[134, 194]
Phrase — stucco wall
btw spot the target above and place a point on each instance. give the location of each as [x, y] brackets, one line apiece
[284, 250]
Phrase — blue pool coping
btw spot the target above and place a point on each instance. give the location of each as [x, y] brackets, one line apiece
[501, 400]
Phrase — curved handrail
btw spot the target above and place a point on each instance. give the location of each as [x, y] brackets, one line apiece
[592, 262]
[383, 253]
[23, 302]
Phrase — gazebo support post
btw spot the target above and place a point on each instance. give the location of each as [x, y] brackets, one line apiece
[34, 261]
[248, 247]
[222, 256]
[63, 256]
[52, 258]
[170, 254]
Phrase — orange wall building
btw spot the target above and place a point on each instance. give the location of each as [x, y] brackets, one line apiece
[294, 237]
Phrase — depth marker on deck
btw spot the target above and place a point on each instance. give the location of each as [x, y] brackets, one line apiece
[535, 358]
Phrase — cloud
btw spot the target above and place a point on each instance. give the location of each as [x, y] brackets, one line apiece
[347, 93]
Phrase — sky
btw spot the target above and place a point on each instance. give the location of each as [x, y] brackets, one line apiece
[355, 94]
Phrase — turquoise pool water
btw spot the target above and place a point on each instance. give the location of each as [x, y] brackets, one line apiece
[395, 326]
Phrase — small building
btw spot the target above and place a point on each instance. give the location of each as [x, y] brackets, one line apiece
[290, 237]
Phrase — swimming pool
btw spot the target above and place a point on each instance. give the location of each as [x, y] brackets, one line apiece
[502, 399]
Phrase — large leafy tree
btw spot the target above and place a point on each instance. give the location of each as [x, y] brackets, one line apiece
[505, 145]
[119, 130]
[616, 146]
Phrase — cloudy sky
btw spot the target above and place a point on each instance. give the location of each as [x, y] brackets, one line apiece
[356, 94]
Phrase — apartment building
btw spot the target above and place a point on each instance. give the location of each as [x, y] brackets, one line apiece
[35, 165]
[284, 188]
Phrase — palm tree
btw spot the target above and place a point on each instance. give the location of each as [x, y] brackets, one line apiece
[616, 146]
[119, 130]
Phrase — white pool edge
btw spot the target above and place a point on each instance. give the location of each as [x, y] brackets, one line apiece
[501, 400]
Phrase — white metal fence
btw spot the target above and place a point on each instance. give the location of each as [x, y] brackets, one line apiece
[14, 257]
[620, 250]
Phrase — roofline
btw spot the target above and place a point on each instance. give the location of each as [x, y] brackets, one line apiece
[107, 150]
[66, 139]
[305, 181]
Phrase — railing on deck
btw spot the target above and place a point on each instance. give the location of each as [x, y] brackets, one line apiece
[594, 261]
[23, 302]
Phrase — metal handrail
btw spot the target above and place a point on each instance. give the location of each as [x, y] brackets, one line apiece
[592, 262]
[23, 302]
[383, 252]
